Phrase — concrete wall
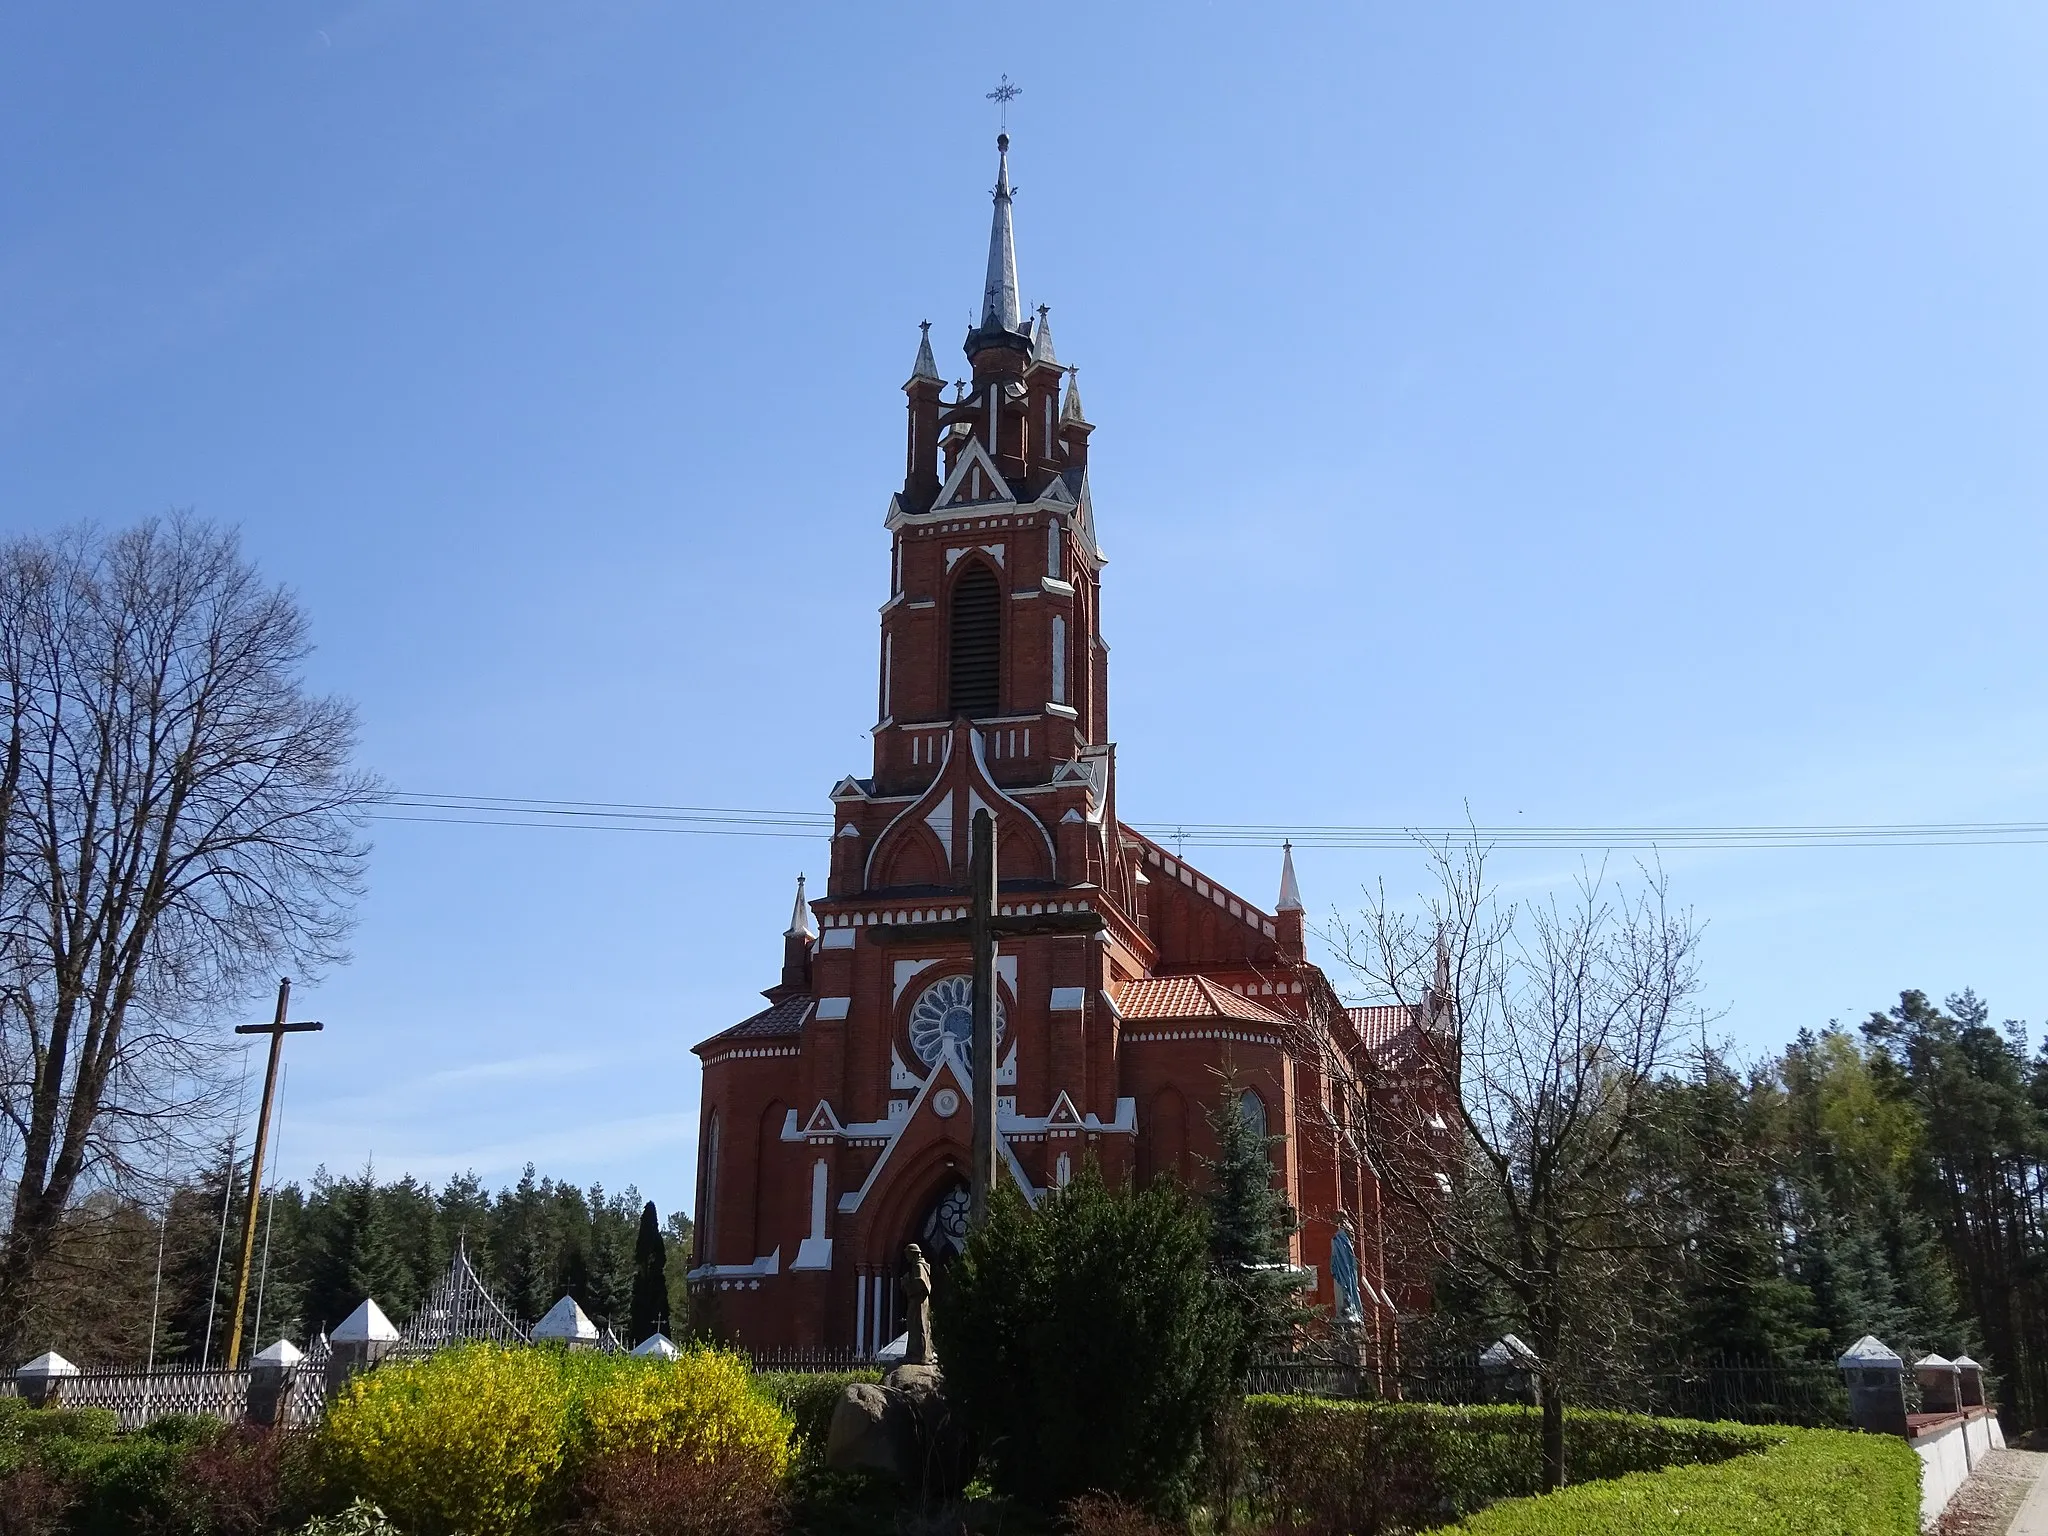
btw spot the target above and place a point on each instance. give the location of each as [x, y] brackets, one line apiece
[1949, 1452]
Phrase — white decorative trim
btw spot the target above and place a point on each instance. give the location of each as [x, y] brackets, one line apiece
[1052, 855]
[948, 503]
[751, 1052]
[868, 870]
[767, 1264]
[1238, 1036]
[1063, 711]
[944, 825]
[1056, 587]
[813, 1253]
[836, 938]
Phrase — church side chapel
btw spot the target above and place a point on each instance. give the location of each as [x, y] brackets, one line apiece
[835, 1123]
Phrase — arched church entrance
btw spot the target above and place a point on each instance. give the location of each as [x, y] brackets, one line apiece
[941, 1233]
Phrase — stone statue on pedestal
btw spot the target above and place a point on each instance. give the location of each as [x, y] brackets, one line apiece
[917, 1308]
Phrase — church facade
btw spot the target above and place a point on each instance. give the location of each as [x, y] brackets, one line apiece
[835, 1122]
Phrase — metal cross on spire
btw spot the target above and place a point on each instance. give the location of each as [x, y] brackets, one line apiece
[1002, 96]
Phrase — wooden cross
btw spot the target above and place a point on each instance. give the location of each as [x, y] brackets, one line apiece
[277, 1029]
[981, 928]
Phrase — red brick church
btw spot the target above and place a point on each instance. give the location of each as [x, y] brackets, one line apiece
[835, 1122]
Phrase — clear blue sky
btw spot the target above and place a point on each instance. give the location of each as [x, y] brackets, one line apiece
[1594, 413]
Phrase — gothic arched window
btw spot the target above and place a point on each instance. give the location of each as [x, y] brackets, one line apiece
[707, 1194]
[976, 684]
[1252, 1110]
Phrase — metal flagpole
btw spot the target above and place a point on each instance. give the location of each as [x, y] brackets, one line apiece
[227, 1197]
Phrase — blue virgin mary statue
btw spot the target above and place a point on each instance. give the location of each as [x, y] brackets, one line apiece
[1344, 1275]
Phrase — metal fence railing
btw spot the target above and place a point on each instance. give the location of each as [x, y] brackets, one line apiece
[140, 1397]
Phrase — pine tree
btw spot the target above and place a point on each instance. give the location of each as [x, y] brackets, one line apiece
[1250, 1222]
[650, 1278]
[1734, 1296]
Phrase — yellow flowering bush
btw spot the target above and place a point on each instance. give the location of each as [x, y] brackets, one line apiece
[701, 1404]
[484, 1440]
[470, 1441]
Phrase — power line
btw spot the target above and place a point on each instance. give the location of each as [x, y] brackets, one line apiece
[730, 821]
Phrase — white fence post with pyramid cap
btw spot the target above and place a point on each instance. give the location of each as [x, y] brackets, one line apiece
[568, 1324]
[271, 1374]
[358, 1342]
[41, 1381]
[1877, 1387]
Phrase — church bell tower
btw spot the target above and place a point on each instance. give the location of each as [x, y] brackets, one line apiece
[993, 612]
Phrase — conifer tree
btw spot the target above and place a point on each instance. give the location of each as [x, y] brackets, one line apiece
[1250, 1222]
[650, 1278]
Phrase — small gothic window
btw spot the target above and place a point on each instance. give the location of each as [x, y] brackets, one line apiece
[977, 654]
[1252, 1110]
[1059, 660]
[707, 1195]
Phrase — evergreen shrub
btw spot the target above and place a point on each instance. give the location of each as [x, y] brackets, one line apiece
[1089, 1342]
[119, 1486]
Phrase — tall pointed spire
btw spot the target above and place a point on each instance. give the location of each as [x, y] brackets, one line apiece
[800, 924]
[1290, 890]
[1071, 411]
[1041, 338]
[999, 306]
[925, 367]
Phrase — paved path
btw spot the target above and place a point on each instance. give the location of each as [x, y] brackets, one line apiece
[2032, 1519]
[2007, 1495]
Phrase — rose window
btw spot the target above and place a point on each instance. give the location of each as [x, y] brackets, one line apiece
[945, 1011]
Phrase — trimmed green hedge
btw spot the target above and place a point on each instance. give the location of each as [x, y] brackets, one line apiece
[1316, 1466]
[1396, 1462]
[1814, 1482]
[808, 1398]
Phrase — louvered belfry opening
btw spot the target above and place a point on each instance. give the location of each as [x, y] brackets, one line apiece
[977, 659]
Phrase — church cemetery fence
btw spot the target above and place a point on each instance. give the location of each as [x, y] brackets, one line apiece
[139, 1397]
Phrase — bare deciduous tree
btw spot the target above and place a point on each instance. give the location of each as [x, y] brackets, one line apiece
[178, 817]
[1504, 1119]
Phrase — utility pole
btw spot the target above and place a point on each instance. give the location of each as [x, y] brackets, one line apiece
[277, 1029]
